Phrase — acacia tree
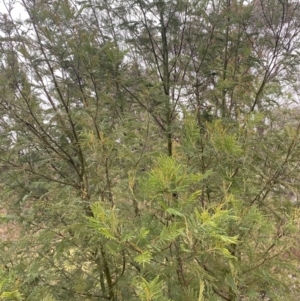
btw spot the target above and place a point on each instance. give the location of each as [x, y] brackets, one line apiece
[122, 184]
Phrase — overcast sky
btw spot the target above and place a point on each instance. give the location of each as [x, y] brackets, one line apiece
[17, 12]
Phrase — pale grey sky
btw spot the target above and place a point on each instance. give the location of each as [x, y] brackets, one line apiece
[17, 12]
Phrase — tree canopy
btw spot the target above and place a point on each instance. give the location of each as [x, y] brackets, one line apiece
[149, 150]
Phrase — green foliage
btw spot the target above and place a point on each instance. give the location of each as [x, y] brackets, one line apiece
[142, 152]
[8, 288]
[149, 291]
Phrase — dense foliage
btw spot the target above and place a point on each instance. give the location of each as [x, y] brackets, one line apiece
[149, 150]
